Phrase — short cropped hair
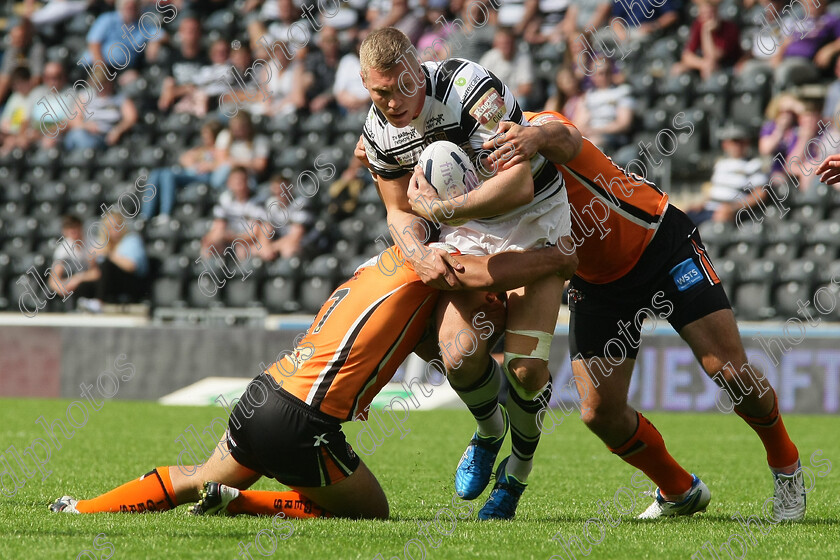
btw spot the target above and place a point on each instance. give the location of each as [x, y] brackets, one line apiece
[383, 49]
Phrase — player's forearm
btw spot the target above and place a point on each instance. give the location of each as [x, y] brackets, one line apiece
[409, 232]
[513, 269]
[509, 189]
[558, 143]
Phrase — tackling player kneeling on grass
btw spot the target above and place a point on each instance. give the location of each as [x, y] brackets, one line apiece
[650, 255]
[292, 430]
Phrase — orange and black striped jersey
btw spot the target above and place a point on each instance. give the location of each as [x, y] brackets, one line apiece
[361, 335]
[615, 214]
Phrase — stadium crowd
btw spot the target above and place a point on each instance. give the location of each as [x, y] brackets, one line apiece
[223, 105]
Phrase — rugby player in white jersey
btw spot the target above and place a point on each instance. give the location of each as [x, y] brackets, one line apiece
[521, 206]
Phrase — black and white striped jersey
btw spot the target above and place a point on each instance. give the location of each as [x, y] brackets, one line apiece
[464, 104]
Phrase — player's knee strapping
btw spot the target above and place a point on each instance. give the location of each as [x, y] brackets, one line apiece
[540, 352]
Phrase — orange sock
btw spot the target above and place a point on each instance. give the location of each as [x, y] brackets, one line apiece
[265, 502]
[151, 492]
[781, 452]
[646, 451]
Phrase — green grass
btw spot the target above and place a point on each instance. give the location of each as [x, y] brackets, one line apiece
[127, 439]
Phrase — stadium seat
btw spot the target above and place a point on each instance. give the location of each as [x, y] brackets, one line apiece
[168, 292]
[807, 214]
[322, 124]
[828, 296]
[18, 193]
[727, 270]
[802, 271]
[161, 248]
[53, 192]
[85, 191]
[780, 253]
[198, 290]
[280, 295]
[817, 195]
[787, 294]
[752, 302]
[742, 253]
[820, 253]
[351, 123]
[747, 110]
[288, 124]
[242, 293]
[826, 232]
[313, 292]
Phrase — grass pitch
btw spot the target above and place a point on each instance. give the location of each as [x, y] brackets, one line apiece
[573, 472]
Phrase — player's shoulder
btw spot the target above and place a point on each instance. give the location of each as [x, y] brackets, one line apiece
[542, 117]
[455, 78]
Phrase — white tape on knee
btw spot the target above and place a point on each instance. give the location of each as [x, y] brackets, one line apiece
[541, 352]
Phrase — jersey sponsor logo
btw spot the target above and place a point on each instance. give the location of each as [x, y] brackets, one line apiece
[320, 439]
[409, 158]
[686, 274]
[404, 135]
[460, 81]
[470, 87]
[490, 109]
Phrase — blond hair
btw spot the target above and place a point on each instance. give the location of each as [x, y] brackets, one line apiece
[383, 49]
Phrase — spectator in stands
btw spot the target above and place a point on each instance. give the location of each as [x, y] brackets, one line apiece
[15, 118]
[738, 181]
[567, 96]
[790, 125]
[396, 13]
[606, 114]
[513, 68]
[286, 87]
[54, 11]
[63, 280]
[713, 44]
[548, 21]
[832, 97]
[119, 271]
[110, 116]
[437, 26]
[111, 45]
[321, 68]
[349, 91]
[196, 166]
[213, 84]
[798, 58]
[240, 146]
[48, 114]
[24, 49]
[647, 17]
[290, 219]
[470, 41]
[239, 211]
[280, 20]
[184, 66]
[585, 15]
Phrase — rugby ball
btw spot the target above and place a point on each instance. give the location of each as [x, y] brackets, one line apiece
[448, 169]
